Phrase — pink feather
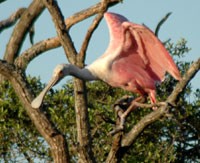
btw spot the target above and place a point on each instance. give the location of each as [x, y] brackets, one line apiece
[135, 58]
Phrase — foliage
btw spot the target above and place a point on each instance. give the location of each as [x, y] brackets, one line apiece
[19, 138]
[174, 138]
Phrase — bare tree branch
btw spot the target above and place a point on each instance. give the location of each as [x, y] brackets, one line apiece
[12, 19]
[37, 49]
[84, 14]
[161, 23]
[61, 29]
[51, 43]
[46, 128]
[19, 33]
[90, 31]
[83, 134]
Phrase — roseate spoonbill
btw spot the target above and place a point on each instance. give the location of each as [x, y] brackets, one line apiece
[134, 60]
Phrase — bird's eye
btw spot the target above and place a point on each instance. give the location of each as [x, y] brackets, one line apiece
[60, 73]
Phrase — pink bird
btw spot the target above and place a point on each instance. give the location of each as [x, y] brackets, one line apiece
[134, 60]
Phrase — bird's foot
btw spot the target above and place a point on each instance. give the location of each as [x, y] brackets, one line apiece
[123, 107]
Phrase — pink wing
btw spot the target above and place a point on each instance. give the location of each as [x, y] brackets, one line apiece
[138, 57]
[153, 53]
[132, 39]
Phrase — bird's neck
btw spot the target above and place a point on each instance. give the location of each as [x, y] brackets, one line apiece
[81, 73]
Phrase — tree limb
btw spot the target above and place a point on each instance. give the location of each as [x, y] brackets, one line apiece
[37, 49]
[84, 14]
[12, 19]
[51, 43]
[20, 30]
[90, 31]
[61, 30]
[161, 23]
[42, 123]
[82, 120]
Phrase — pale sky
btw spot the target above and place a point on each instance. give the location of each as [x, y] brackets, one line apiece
[183, 23]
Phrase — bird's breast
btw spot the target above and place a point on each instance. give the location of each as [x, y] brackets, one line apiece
[100, 69]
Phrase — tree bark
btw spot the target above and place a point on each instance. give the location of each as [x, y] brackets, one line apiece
[24, 59]
[82, 121]
[54, 138]
[61, 30]
[84, 139]
[12, 19]
[19, 33]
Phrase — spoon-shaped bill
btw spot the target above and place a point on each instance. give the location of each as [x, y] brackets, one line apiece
[36, 103]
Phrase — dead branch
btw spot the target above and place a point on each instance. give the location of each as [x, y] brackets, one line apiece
[90, 31]
[20, 30]
[161, 23]
[84, 14]
[37, 49]
[83, 134]
[12, 19]
[46, 128]
[51, 43]
[61, 29]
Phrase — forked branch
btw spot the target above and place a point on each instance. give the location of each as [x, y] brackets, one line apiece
[23, 60]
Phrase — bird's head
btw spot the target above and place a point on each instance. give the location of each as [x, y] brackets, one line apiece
[59, 72]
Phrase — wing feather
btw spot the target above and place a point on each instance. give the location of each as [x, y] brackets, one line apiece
[156, 58]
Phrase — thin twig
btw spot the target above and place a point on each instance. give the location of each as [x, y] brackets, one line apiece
[161, 23]
[91, 30]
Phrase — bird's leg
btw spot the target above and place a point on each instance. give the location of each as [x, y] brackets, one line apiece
[123, 107]
[131, 107]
